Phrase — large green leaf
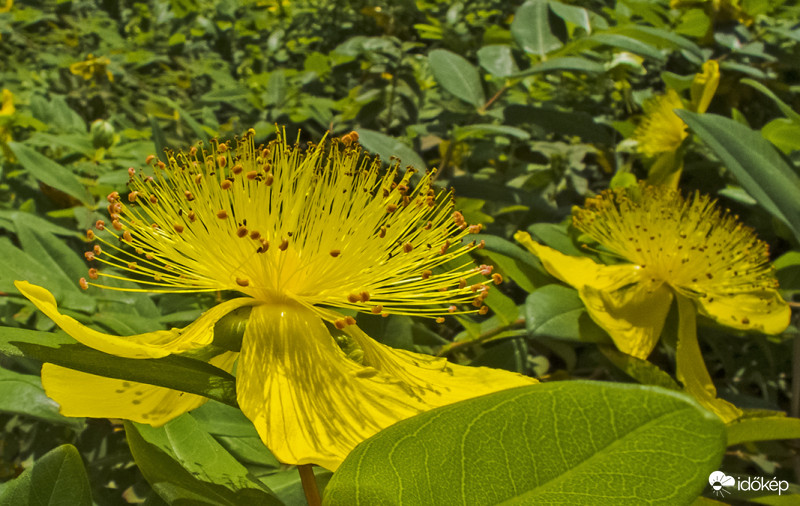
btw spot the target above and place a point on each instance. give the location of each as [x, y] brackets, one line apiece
[184, 465]
[50, 173]
[455, 74]
[573, 442]
[754, 161]
[531, 28]
[179, 373]
[763, 429]
[56, 479]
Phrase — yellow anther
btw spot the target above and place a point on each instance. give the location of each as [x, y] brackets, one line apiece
[440, 320]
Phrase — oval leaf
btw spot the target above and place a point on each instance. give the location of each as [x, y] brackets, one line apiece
[56, 479]
[455, 74]
[531, 28]
[386, 147]
[543, 444]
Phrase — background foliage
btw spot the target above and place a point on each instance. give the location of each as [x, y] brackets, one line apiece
[525, 108]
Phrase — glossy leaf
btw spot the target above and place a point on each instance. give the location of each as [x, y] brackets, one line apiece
[543, 444]
[754, 161]
[186, 471]
[566, 63]
[457, 75]
[557, 311]
[497, 60]
[58, 478]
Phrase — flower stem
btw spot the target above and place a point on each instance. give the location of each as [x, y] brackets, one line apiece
[309, 484]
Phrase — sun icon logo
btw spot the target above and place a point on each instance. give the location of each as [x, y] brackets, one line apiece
[718, 480]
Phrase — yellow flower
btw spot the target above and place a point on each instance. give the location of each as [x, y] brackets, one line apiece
[92, 68]
[7, 7]
[674, 247]
[7, 109]
[298, 230]
[661, 132]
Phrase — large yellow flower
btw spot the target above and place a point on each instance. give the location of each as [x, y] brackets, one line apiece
[298, 230]
[674, 247]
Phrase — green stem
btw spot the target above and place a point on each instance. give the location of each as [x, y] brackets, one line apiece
[482, 338]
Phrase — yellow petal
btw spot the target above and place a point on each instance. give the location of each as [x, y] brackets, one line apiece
[633, 316]
[691, 369]
[575, 271]
[159, 343]
[83, 394]
[311, 404]
[763, 310]
[704, 86]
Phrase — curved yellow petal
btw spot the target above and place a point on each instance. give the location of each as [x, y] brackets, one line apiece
[159, 343]
[763, 310]
[704, 85]
[83, 394]
[633, 316]
[577, 271]
[311, 404]
[691, 369]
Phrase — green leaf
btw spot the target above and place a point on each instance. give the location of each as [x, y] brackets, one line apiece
[626, 43]
[783, 106]
[543, 444]
[387, 147]
[572, 14]
[784, 133]
[186, 471]
[754, 161]
[56, 479]
[531, 28]
[763, 429]
[641, 370]
[159, 140]
[497, 60]
[23, 394]
[456, 75]
[50, 173]
[659, 38]
[556, 311]
[486, 130]
[566, 63]
[179, 373]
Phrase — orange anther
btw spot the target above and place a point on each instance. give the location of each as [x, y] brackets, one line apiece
[222, 161]
[268, 180]
[483, 310]
[426, 274]
[126, 236]
[382, 233]
[112, 197]
[339, 324]
[100, 225]
[353, 298]
[116, 224]
[222, 214]
[440, 320]
[226, 185]
[255, 234]
[365, 296]
[192, 216]
[97, 249]
[237, 169]
[83, 283]
[497, 278]
[149, 159]
[90, 235]
[252, 174]
[242, 281]
[391, 208]
[188, 195]
[93, 273]
[349, 320]
[89, 255]
[132, 196]
[153, 199]
[241, 231]
[335, 253]
[408, 247]
[377, 309]
[284, 244]
[178, 228]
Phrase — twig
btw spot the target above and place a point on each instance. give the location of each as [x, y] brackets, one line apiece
[309, 484]
[482, 338]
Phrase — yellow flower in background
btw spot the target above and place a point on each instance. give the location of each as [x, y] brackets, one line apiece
[7, 7]
[674, 248]
[661, 132]
[92, 68]
[298, 230]
[7, 110]
[718, 10]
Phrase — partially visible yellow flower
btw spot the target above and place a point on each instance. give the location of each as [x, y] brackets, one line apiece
[673, 247]
[661, 132]
[7, 110]
[7, 7]
[298, 230]
[92, 68]
[718, 10]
